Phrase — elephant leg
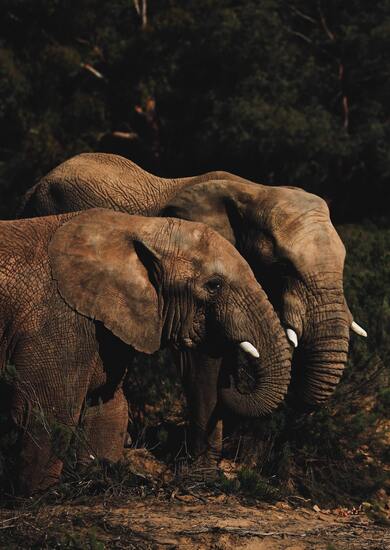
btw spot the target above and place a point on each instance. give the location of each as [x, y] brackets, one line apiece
[50, 389]
[201, 375]
[39, 465]
[103, 429]
[45, 436]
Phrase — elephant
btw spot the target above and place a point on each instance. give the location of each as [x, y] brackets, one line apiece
[81, 293]
[284, 233]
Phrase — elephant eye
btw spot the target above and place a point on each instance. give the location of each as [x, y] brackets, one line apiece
[213, 284]
[286, 269]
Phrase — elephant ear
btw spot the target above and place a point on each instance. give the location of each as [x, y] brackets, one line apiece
[101, 261]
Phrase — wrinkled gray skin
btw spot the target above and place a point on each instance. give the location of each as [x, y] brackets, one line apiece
[81, 293]
[284, 233]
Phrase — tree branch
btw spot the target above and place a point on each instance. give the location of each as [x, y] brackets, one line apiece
[332, 38]
[302, 15]
[330, 34]
[141, 9]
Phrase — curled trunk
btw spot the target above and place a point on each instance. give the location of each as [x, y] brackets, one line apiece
[272, 372]
[270, 388]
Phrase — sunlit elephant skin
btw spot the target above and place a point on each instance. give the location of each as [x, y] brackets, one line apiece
[285, 234]
[92, 180]
[81, 293]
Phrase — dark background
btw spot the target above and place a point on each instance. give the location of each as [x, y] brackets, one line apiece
[284, 93]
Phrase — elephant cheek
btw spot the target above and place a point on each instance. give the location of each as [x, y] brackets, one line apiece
[193, 330]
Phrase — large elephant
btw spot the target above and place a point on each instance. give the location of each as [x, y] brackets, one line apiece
[284, 233]
[81, 292]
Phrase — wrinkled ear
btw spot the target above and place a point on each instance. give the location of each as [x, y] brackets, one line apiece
[235, 213]
[98, 259]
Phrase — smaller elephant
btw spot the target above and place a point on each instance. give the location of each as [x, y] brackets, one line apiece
[81, 293]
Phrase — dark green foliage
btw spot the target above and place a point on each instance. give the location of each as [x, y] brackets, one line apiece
[63, 538]
[367, 286]
[155, 396]
[249, 483]
[99, 478]
[286, 93]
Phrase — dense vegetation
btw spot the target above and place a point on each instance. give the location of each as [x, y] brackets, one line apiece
[281, 92]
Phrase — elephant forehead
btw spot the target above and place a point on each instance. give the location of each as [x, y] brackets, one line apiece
[180, 267]
[290, 209]
[196, 249]
[223, 253]
[300, 223]
[228, 262]
[181, 236]
[312, 235]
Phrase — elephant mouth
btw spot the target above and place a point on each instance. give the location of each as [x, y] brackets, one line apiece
[191, 342]
[188, 342]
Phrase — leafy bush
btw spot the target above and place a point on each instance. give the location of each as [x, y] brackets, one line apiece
[288, 94]
[249, 483]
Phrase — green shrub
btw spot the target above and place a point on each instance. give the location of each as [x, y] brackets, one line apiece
[249, 483]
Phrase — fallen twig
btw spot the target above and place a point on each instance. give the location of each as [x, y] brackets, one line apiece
[234, 531]
[5, 522]
[244, 532]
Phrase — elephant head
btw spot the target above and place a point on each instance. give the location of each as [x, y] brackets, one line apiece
[287, 238]
[159, 281]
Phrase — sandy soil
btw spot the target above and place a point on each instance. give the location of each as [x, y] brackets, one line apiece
[217, 523]
[187, 519]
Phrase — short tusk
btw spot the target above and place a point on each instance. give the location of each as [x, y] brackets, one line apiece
[359, 330]
[249, 348]
[292, 336]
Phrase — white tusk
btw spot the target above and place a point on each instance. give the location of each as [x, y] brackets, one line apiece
[292, 336]
[249, 348]
[359, 330]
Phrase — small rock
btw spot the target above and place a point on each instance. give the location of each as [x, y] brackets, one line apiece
[316, 508]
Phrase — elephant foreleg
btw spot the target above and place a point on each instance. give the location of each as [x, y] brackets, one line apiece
[103, 428]
[201, 378]
[39, 464]
[46, 433]
[50, 387]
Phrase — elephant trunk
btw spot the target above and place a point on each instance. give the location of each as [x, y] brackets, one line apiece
[324, 362]
[272, 371]
[323, 351]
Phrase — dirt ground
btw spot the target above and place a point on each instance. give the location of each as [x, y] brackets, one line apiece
[193, 522]
[194, 517]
